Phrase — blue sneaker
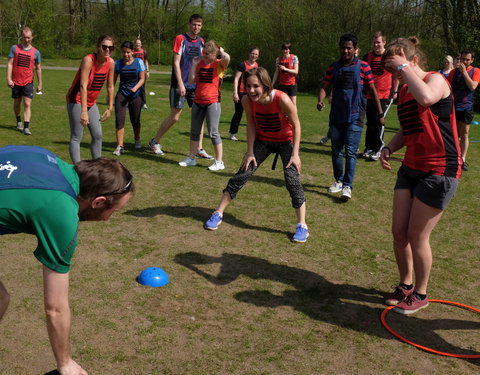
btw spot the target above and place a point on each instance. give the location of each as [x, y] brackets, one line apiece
[214, 221]
[301, 233]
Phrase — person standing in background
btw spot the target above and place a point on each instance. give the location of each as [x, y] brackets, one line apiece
[140, 53]
[22, 60]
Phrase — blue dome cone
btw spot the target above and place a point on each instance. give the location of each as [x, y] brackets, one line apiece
[153, 276]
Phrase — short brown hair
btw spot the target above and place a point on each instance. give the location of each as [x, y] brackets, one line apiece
[103, 176]
[263, 77]
[103, 37]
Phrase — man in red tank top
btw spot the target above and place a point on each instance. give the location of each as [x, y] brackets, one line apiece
[142, 54]
[22, 59]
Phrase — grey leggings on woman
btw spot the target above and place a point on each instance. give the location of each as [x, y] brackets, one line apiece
[76, 130]
[210, 112]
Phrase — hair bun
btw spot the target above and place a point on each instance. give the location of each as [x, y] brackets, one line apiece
[414, 40]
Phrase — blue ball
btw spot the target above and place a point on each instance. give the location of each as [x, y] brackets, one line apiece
[474, 122]
[153, 276]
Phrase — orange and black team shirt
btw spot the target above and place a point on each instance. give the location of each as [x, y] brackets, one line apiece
[96, 79]
[286, 78]
[430, 135]
[243, 67]
[208, 82]
[23, 63]
[141, 54]
[382, 79]
[271, 125]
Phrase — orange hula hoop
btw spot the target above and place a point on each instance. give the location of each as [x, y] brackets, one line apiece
[389, 329]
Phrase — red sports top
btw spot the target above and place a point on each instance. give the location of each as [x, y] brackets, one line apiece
[140, 54]
[271, 125]
[96, 79]
[207, 79]
[382, 79]
[246, 66]
[23, 60]
[430, 135]
[287, 78]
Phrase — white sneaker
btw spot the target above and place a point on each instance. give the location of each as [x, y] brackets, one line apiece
[335, 187]
[138, 144]
[202, 154]
[375, 155]
[20, 126]
[118, 151]
[346, 192]
[187, 162]
[156, 148]
[217, 166]
[27, 131]
[367, 153]
[233, 137]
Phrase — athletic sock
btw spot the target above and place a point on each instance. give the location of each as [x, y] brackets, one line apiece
[19, 119]
[26, 123]
[420, 296]
[406, 286]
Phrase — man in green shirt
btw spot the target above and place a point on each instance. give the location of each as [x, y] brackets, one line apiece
[42, 195]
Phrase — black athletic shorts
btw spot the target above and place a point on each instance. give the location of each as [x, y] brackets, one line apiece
[464, 116]
[26, 91]
[290, 90]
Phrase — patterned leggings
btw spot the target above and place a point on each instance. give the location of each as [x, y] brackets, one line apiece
[262, 150]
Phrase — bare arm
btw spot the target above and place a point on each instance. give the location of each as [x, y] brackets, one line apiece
[110, 91]
[38, 71]
[236, 84]
[471, 84]
[225, 60]
[9, 72]
[192, 74]
[178, 74]
[322, 94]
[290, 110]
[251, 134]
[395, 144]
[140, 82]
[58, 316]
[85, 69]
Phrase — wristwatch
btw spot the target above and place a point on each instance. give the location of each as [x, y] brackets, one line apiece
[401, 66]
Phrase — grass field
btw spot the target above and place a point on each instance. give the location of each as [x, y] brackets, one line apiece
[242, 300]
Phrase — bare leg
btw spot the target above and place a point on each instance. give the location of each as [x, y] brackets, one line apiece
[172, 118]
[16, 106]
[300, 212]
[120, 135]
[218, 149]
[294, 100]
[463, 133]
[423, 219]
[4, 300]
[402, 203]
[200, 142]
[27, 109]
[224, 202]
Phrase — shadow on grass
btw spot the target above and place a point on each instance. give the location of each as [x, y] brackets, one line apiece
[343, 305]
[200, 214]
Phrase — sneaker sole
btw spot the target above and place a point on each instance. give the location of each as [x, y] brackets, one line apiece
[393, 302]
[299, 241]
[212, 228]
[334, 191]
[408, 312]
[345, 197]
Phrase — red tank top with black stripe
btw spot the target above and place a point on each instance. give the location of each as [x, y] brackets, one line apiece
[271, 124]
[97, 77]
[430, 135]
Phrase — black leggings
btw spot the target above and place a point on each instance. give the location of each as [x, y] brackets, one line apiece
[262, 150]
[134, 109]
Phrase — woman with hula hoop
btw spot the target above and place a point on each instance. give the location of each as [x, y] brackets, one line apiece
[428, 177]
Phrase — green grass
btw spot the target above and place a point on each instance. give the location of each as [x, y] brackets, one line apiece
[242, 299]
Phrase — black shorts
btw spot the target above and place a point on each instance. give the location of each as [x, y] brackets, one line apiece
[464, 116]
[434, 191]
[290, 90]
[26, 91]
[177, 101]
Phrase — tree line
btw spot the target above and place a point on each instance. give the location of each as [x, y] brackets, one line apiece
[69, 28]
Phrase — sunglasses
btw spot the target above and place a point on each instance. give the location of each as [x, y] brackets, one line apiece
[111, 48]
[123, 190]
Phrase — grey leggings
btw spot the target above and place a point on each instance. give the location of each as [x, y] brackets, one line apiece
[76, 131]
[212, 113]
